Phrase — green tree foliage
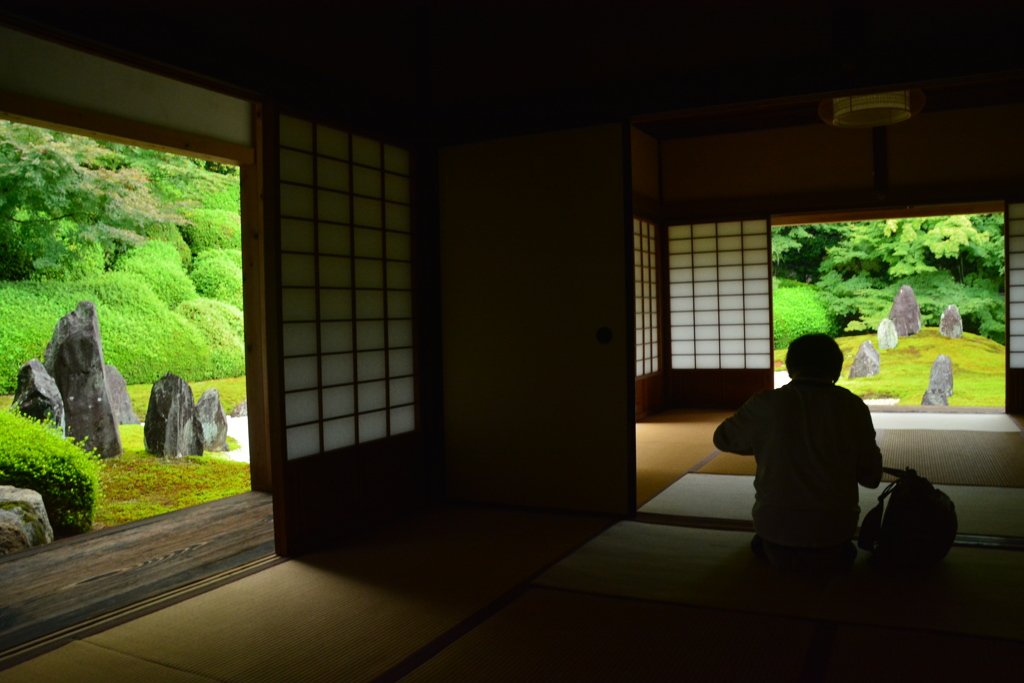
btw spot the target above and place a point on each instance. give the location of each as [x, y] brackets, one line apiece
[60, 191]
[798, 310]
[212, 229]
[858, 268]
[159, 264]
[34, 456]
[222, 325]
[217, 274]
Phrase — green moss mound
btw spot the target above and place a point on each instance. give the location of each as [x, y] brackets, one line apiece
[212, 228]
[223, 327]
[34, 456]
[799, 310]
[217, 274]
[159, 264]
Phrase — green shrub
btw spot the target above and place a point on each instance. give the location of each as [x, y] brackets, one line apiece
[159, 264]
[222, 325]
[799, 310]
[212, 229]
[217, 274]
[168, 232]
[141, 337]
[34, 456]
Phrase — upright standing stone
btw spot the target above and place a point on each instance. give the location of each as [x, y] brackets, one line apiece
[940, 382]
[74, 358]
[867, 362]
[172, 427]
[119, 398]
[951, 325]
[213, 421]
[905, 313]
[887, 337]
[37, 396]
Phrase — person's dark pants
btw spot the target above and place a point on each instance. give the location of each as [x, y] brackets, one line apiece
[804, 559]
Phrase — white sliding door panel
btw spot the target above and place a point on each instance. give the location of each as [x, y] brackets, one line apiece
[535, 251]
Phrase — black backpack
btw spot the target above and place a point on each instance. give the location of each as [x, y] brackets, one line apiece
[918, 527]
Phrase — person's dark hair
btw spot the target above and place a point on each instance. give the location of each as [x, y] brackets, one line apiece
[815, 355]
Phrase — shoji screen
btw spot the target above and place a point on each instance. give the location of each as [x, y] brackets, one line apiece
[719, 295]
[1015, 280]
[645, 283]
[346, 276]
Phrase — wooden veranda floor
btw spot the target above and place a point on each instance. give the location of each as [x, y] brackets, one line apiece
[72, 581]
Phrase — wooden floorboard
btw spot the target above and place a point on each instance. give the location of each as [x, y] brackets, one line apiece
[56, 586]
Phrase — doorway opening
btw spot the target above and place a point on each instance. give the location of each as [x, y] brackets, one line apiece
[902, 293]
[152, 240]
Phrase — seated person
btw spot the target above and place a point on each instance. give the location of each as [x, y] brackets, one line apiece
[813, 442]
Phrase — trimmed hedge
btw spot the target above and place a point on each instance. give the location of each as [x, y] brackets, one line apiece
[210, 228]
[141, 337]
[167, 232]
[223, 327]
[799, 310]
[159, 264]
[34, 456]
[217, 274]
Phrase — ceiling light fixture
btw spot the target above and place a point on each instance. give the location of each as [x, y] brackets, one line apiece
[870, 111]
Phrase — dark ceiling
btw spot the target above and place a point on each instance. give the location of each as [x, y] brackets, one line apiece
[443, 70]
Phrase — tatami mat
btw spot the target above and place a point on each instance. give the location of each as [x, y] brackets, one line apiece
[971, 422]
[80, 662]
[669, 444]
[348, 615]
[984, 510]
[912, 656]
[559, 636]
[974, 591]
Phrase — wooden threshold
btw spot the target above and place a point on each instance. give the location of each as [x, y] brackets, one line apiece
[57, 586]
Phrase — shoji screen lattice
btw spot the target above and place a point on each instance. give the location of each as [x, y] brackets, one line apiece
[645, 279]
[1015, 280]
[719, 295]
[346, 275]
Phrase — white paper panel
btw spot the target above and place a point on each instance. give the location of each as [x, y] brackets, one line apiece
[303, 441]
[366, 151]
[397, 217]
[759, 346]
[331, 142]
[730, 287]
[335, 271]
[296, 201]
[708, 362]
[705, 289]
[332, 206]
[369, 304]
[752, 257]
[705, 274]
[680, 275]
[339, 401]
[399, 246]
[682, 332]
[1016, 294]
[332, 174]
[1016, 277]
[755, 241]
[1016, 261]
[680, 261]
[396, 159]
[682, 318]
[705, 303]
[1016, 327]
[1017, 360]
[759, 331]
[755, 227]
[1015, 210]
[1016, 344]
[371, 396]
[298, 305]
[370, 365]
[755, 272]
[639, 368]
[301, 407]
[399, 304]
[339, 433]
[706, 334]
[753, 301]
[680, 246]
[336, 368]
[400, 362]
[758, 316]
[683, 362]
[1015, 244]
[729, 228]
[400, 333]
[680, 289]
[704, 230]
[396, 188]
[731, 332]
[732, 362]
[296, 133]
[402, 391]
[403, 420]
[730, 302]
[707, 259]
[680, 348]
[730, 243]
[300, 373]
[366, 181]
[730, 258]
[297, 270]
[296, 167]
[731, 317]
[756, 286]
[367, 212]
[679, 232]
[335, 304]
[373, 426]
[296, 235]
[370, 335]
[335, 337]
[298, 339]
[1015, 227]
[369, 274]
[706, 318]
[399, 275]
[759, 362]
[704, 244]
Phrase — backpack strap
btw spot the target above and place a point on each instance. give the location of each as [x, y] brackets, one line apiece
[872, 524]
